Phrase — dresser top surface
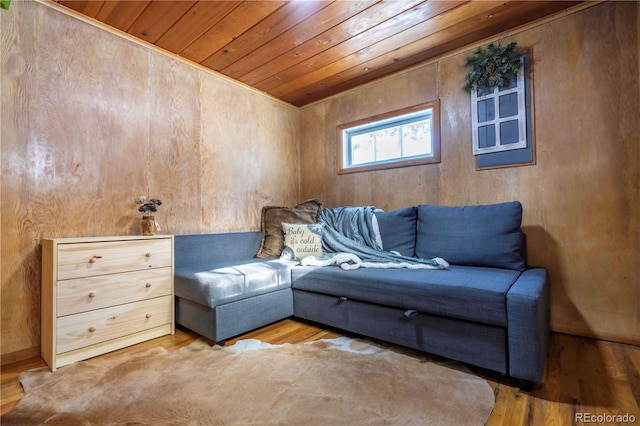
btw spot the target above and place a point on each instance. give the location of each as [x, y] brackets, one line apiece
[68, 240]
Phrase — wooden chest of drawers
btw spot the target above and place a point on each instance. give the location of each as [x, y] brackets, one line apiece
[100, 294]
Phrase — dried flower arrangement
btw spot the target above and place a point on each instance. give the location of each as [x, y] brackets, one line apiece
[147, 207]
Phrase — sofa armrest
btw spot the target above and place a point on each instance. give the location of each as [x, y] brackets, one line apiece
[203, 249]
[528, 325]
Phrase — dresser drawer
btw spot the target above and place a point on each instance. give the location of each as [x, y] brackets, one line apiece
[100, 291]
[89, 328]
[77, 260]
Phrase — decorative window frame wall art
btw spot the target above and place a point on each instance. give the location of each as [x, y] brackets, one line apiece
[503, 122]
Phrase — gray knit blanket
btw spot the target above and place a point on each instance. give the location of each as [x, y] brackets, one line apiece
[351, 239]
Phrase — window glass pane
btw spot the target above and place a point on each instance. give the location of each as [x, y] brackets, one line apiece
[512, 84]
[362, 149]
[509, 132]
[508, 104]
[486, 110]
[401, 138]
[416, 138]
[388, 144]
[486, 136]
[485, 92]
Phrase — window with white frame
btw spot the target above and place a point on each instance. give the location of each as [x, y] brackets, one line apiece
[499, 117]
[406, 137]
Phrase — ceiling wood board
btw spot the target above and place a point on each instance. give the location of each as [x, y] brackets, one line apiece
[290, 14]
[305, 58]
[240, 20]
[296, 38]
[306, 50]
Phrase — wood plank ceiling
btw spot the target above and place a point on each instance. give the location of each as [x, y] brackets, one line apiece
[302, 51]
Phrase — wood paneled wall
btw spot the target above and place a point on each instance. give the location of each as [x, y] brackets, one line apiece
[90, 120]
[581, 199]
[85, 130]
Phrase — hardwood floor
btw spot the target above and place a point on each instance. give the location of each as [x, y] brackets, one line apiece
[587, 381]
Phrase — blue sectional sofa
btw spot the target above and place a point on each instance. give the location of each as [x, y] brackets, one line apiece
[488, 308]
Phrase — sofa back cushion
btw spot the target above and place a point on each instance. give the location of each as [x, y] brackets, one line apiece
[486, 235]
[398, 230]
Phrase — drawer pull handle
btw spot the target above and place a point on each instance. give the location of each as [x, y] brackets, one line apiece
[94, 258]
[148, 285]
[411, 314]
[148, 255]
[148, 316]
[92, 295]
[113, 318]
[92, 329]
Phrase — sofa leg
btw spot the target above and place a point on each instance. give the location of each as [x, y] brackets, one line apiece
[525, 385]
[221, 342]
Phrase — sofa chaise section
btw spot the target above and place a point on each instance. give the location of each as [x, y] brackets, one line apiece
[222, 290]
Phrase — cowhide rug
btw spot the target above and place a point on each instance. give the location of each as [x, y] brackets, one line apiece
[328, 382]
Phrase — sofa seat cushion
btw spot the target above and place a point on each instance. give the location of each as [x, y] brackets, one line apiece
[467, 292]
[226, 282]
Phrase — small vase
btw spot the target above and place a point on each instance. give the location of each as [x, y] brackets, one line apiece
[149, 225]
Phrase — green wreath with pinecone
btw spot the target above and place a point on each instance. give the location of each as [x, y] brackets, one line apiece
[494, 66]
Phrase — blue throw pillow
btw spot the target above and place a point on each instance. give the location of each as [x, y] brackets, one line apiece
[398, 230]
[486, 235]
